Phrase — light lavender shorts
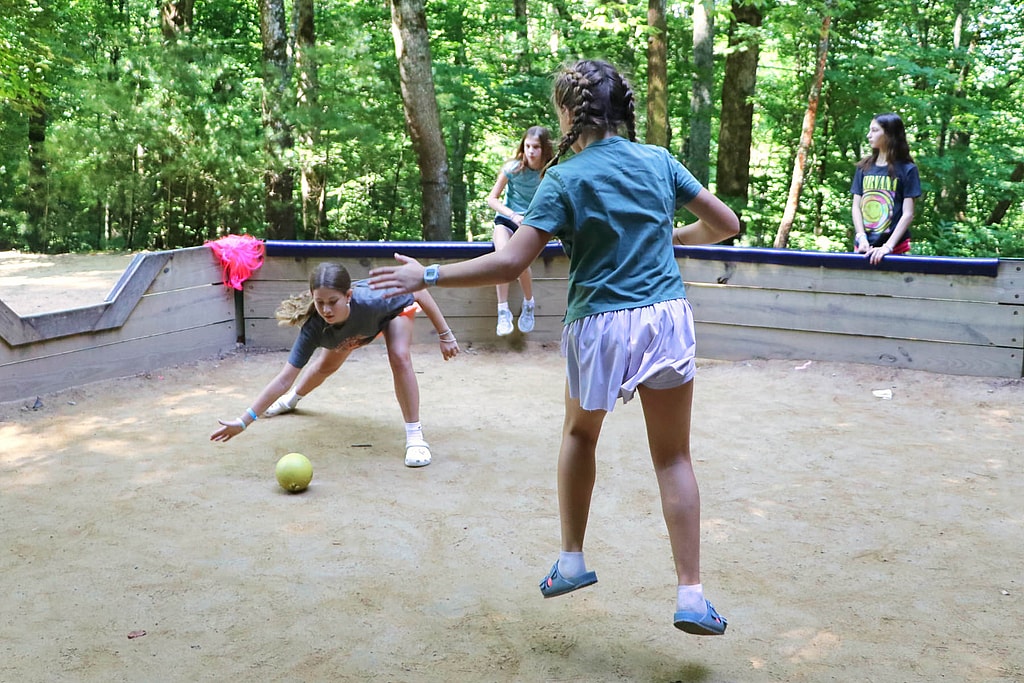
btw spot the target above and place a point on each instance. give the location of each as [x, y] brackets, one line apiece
[608, 355]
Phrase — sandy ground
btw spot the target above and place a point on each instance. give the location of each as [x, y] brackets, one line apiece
[847, 536]
[36, 283]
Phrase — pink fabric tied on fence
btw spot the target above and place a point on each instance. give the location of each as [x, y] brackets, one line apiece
[240, 256]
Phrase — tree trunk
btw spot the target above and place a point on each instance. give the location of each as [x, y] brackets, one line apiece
[176, 18]
[698, 149]
[951, 200]
[796, 184]
[735, 133]
[1003, 205]
[279, 177]
[657, 74]
[36, 199]
[460, 193]
[314, 175]
[522, 36]
[419, 99]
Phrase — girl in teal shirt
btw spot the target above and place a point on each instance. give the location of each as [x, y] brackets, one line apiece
[628, 327]
[518, 180]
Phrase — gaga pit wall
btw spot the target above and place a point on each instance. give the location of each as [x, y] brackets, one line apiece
[951, 316]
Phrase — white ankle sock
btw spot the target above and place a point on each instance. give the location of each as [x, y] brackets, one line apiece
[528, 302]
[291, 399]
[503, 306]
[571, 565]
[414, 434]
[691, 599]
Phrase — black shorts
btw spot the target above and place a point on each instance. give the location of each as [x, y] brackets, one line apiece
[506, 222]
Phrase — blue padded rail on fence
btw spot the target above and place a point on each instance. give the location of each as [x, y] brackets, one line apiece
[938, 265]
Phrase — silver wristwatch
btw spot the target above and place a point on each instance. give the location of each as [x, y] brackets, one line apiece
[430, 275]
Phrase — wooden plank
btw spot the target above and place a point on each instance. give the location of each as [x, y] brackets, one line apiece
[133, 283]
[191, 267]
[831, 260]
[155, 315]
[735, 342]
[66, 322]
[924, 286]
[298, 269]
[1009, 284]
[15, 330]
[968, 322]
[123, 358]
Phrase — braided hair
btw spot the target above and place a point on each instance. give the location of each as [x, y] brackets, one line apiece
[597, 98]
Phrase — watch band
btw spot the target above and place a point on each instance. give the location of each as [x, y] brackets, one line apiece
[431, 274]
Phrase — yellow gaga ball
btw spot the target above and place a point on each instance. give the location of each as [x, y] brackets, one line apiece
[294, 472]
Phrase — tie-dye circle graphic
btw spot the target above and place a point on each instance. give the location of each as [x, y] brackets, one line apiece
[876, 208]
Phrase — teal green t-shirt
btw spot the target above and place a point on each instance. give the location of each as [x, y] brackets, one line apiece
[521, 184]
[613, 207]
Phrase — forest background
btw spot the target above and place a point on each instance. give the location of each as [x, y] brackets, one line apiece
[157, 124]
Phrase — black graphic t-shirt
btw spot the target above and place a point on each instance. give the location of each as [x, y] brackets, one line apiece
[881, 198]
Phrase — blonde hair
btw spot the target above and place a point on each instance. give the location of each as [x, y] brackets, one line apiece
[294, 310]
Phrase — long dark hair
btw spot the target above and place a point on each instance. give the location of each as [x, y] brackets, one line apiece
[896, 148]
[547, 148]
[597, 97]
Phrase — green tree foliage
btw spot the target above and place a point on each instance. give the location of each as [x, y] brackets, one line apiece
[157, 145]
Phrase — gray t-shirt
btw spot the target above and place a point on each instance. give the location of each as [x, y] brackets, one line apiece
[370, 312]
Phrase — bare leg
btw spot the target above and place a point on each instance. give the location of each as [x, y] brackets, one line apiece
[667, 414]
[324, 364]
[501, 237]
[398, 337]
[526, 282]
[577, 470]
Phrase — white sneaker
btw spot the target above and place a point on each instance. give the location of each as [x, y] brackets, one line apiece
[504, 323]
[278, 407]
[526, 319]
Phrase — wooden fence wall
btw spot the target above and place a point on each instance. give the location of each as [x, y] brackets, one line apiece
[955, 316]
[168, 308]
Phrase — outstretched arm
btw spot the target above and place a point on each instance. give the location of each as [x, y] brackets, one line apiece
[270, 393]
[445, 336]
[494, 268]
[715, 221]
